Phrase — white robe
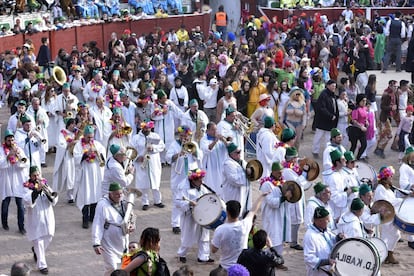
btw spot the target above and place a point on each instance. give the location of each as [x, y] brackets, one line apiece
[351, 226]
[313, 203]
[276, 217]
[13, 121]
[88, 92]
[129, 116]
[13, 176]
[339, 198]
[40, 216]
[111, 239]
[296, 209]
[50, 109]
[88, 184]
[236, 186]
[64, 170]
[41, 115]
[317, 246]
[102, 123]
[61, 106]
[406, 176]
[115, 172]
[327, 161]
[227, 130]
[265, 144]
[212, 163]
[30, 148]
[201, 123]
[148, 177]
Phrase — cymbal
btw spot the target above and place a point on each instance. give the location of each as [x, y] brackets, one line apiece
[294, 188]
[385, 209]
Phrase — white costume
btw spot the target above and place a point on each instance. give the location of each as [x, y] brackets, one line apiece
[50, 108]
[192, 232]
[200, 122]
[41, 224]
[65, 103]
[106, 231]
[327, 161]
[236, 186]
[40, 115]
[181, 93]
[406, 183]
[89, 91]
[339, 198]
[115, 172]
[317, 246]
[14, 119]
[212, 163]
[296, 209]
[31, 146]
[369, 220]
[227, 130]
[64, 170]
[313, 203]
[351, 226]
[103, 126]
[148, 177]
[266, 141]
[129, 116]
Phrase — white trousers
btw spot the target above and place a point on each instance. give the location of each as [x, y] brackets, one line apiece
[203, 250]
[321, 138]
[156, 194]
[390, 235]
[40, 246]
[175, 211]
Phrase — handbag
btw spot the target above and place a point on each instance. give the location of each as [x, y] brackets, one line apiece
[180, 100]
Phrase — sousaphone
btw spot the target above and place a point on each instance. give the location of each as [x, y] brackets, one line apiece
[294, 188]
[385, 209]
[59, 75]
[256, 169]
[313, 172]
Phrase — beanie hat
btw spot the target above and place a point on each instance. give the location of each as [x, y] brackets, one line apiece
[349, 156]
[335, 132]
[357, 204]
[88, 130]
[114, 148]
[288, 134]
[320, 212]
[364, 188]
[319, 187]
[231, 148]
[291, 152]
[114, 187]
[269, 122]
[34, 169]
[335, 155]
[276, 166]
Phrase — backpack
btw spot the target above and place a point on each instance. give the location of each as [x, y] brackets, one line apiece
[160, 263]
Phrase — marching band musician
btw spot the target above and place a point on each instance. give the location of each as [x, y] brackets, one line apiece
[182, 161]
[350, 223]
[351, 176]
[148, 164]
[39, 200]
[369, 220]
[214, 148]
[230, 130]
[116, 170]
[266, 141]
[14, 170]
[64, 170]
[41, 123]
[164, 112]
[406, 179]
[121, 131]
[192, 232]
[321, 198]
[318, 243]
[84, 116]
[14, 120]
[196, 119]
[389, 232]
[66, 103]
[335, 143]
[257, 118]
[94, 88]
[129, 111]
[101, 115]
[293, 172]
[90, 161]
[29, 140]
[236, 186]
[335, 180]
[288, 138]
[108, 237]
[275, 212]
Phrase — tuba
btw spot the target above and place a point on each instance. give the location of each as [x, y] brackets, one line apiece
[59, 75]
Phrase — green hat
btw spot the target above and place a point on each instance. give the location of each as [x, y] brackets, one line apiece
[349, 156]
[66, 85]
[123, 94]
[95, 72]
[409, 150]
[193, 102]
[319, 187]
[335, 155]
[364, 188]
[357, 204]
[88, 130]
[276, 166]
[288, 134]
[320, 212]
[149, 85]
[68, 120]
[8, 133]
[22, 102]
[114, 187]
[25, 119]
[116, 110]
[269, 122]
[291, 152]
[115, 72]
[161, 93]
[335, 132]
[34, 169]
[114, 148]
[231, 148]
[81, 104]
[40, 76]
[230, 110]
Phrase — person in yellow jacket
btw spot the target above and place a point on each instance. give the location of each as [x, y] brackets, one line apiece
[182, 35]
[256, 89]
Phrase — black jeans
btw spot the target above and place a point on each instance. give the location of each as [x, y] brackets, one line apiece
[355, 134]
[20, 211]
[88, 212]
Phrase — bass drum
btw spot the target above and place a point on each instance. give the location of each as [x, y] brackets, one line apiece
[366, 174]
[356, 256]
[381, 247]
[404, 217]
[210, 211]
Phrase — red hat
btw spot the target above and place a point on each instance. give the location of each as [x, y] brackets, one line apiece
[295, 17]
[288, 64]
[127, 31]
[303, 14]
[409, 108]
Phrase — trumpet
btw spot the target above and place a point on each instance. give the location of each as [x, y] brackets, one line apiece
[98, 156]
[17, 153]
[186, 148]
[49, 192]
[35, 133]
[131, 155]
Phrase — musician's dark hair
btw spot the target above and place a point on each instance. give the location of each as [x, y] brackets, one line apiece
[210, 124]
[219, 271]
[119, 272]
[233, 208]
[70, 121]
[150, 238]
[183, 271]
[20, 269]
[259, 239]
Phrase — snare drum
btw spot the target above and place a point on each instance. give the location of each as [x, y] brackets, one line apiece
[356, 256]
[381, 247]
[404, 217]
[366, 173]
[210, 211]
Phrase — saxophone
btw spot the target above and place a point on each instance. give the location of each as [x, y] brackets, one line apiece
[198, 134]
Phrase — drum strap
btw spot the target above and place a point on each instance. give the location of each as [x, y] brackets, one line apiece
[208, 188]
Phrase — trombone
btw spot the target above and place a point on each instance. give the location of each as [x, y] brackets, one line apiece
[186, 148]
[245, 125]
